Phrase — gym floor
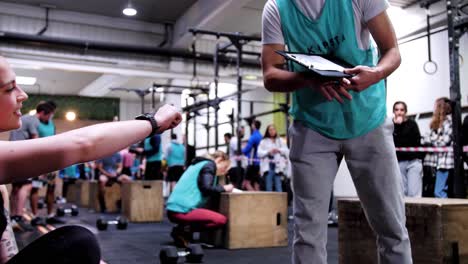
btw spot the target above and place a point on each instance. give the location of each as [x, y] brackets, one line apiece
[141, 243]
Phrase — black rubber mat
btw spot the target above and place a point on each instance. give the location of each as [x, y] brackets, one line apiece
[141, 243]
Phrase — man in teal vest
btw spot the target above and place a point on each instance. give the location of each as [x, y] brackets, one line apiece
[175, 158]
[152, 150]
[46, 128]
[336, 118]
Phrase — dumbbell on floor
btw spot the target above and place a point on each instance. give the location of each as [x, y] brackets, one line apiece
[120, 222]
[170, 254]
[73, 210]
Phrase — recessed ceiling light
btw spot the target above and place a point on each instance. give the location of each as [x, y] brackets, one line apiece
[129, 10]
[159, 89]
[23, 80]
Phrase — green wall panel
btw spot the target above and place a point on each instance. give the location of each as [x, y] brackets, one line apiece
[86, 108]
[279, 119]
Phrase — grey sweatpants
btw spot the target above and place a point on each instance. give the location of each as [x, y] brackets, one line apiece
[372, 162]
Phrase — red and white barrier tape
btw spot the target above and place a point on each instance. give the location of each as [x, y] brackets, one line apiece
[428, 149]
[399, 149]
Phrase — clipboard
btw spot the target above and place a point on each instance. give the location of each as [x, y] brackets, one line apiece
[319, 64]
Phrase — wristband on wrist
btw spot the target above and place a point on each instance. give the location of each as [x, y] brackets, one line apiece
[149, 117]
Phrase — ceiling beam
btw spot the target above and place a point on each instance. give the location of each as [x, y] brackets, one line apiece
[101, 85]
[204, 14]
[74, 65]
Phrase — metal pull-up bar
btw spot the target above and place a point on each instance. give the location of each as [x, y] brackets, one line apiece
[235, 35]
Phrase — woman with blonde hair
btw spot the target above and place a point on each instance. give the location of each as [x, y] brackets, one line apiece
[191, 193]
[440, 136]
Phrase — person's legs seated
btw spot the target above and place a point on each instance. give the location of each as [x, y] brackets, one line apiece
[51, 217]
[197, 220]
[68, 244]
[255, 177]
[34, 202]
[124, 178]
[101, 190]
[19, 196]
[251, 182]
[236, 176]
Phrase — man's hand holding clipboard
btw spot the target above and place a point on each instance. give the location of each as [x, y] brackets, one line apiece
[333, 72]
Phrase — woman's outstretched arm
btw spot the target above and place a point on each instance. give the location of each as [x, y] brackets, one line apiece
[24, 159]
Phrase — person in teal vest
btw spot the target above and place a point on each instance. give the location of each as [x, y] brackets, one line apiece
[152, 149]
[198, 184]
[46, 128]
[175, 158]
[338, 117]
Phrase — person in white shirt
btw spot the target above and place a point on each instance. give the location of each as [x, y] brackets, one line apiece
[273, 153]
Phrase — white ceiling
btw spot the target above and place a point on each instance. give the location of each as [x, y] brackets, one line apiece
[148, 10]
[71, 80]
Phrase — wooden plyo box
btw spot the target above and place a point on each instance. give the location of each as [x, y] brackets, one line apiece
[111, 197]
[255, 220]
[93, 192]
[84, 197]
[436, 227]
[112, 194]
[78, 193]
[73, 192]
[142, 201]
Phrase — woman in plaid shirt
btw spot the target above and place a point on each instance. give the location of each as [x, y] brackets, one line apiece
[440, 136]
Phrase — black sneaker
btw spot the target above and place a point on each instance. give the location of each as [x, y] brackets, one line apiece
[181, 238]
[22, 225]
[37, 221]
[54, 220]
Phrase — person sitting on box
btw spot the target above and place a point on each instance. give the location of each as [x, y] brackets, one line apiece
[191, 194]
[111, 172]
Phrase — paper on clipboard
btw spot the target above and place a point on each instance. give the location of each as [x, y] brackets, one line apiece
[235, 190]
[321, 65]
[317, 62]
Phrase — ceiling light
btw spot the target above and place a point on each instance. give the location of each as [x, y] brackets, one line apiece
[250, 77]
[25, 80]
[70, 116]
[129, 10]
[159, 89]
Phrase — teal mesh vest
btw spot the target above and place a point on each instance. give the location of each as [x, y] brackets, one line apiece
[155, 157]
[333, 34]
[177, 155]
[46, 130]
[186, 195]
